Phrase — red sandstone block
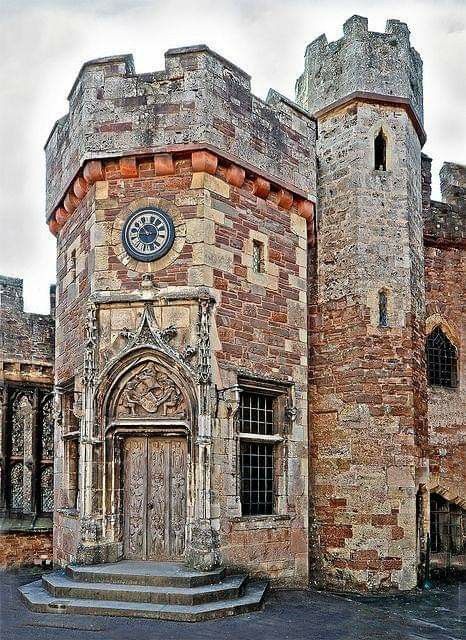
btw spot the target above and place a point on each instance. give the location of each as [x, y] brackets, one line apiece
[93, 171]
[261, 187]
[128, 167]
[204, 161]
[381, 520]
[70, 202]
[80, 187]
[365, 554]
[163, 164]
[61, 216]
[235, 175]
[391, 563]
[337, 502]
[285, 199]
[397, 533]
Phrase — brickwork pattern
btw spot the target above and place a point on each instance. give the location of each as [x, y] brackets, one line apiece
[25, 549]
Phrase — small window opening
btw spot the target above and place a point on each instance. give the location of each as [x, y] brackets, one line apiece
[258, 256]
[73, 264]
[442, 360]
[380, 152]
[383, 313]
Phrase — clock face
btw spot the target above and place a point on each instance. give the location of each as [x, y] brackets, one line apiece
[148, 234]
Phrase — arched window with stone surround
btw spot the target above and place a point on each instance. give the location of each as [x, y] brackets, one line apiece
[442, 359]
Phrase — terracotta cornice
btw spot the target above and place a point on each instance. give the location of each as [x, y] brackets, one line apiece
[182, 149]
[204, 158]
[377, 98]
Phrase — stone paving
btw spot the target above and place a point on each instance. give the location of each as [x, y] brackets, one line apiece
[439, 614]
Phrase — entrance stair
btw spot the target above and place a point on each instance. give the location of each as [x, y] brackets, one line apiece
[144, 589]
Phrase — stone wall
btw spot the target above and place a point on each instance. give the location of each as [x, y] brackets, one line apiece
[200, 99]
[362, 61]
[24, 336]
[445, 263]
[23, 549]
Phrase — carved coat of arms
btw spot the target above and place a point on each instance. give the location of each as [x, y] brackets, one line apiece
[152, 392]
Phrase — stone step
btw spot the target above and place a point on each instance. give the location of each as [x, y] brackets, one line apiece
[39, 600]
[60, 585]
[144, 572]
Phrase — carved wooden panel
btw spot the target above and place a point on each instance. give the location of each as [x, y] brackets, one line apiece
[158, 492]
[149, 392]
[178, 465]
[135, 484]
[155, 497]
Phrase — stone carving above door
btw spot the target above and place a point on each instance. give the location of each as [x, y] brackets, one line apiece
[150, 392]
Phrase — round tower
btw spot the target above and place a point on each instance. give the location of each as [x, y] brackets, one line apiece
[367, 388]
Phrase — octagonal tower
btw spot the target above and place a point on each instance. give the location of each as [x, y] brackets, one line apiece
[367, 381]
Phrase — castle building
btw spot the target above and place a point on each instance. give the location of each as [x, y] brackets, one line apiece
[26, 429]
[246, 294]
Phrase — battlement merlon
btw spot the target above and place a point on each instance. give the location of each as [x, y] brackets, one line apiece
[198, 100]
[374, 66]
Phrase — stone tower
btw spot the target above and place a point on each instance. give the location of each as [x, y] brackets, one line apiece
[367, 388]
[184, 367]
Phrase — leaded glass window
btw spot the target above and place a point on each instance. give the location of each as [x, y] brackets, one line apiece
[442, 360]
[447, 526]
[16, 486]
[27, 488]
[21, 424]
[47, 428]
[258, 442]
[46, 489]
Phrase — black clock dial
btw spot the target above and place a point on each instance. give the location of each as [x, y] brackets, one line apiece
[148, 234]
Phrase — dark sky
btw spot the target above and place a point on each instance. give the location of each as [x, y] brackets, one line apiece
[43, 44]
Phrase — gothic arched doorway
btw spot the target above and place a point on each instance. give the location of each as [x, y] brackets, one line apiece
[148, 459]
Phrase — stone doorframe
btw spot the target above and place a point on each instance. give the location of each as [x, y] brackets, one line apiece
[186, 393]
[156, 387]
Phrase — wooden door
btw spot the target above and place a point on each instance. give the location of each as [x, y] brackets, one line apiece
[154, 497]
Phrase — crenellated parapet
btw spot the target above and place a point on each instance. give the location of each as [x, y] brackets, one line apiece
[445, 221]
[200, 102]
[363, 65]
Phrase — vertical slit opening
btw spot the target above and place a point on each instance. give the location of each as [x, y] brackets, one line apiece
[383, 312]
[380, 151]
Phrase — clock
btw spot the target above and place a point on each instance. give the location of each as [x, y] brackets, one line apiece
[148, 234]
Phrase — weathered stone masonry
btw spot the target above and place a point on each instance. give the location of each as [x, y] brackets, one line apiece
[244, 176]
[326, 315]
